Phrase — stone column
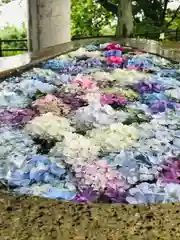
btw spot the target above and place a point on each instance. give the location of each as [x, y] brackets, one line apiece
[49, 23]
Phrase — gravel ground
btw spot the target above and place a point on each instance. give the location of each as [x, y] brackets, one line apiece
[43, 219]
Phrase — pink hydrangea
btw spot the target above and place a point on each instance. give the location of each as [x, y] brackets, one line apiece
[113, 98]
[113, 46]
[51, 103]
[131, 67]
[84, 82]
[100, 177]
[116, 60]
[171, 171]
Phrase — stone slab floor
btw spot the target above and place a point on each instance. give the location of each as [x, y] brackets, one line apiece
[41, 219]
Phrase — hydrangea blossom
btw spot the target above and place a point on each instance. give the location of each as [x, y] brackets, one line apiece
[173, 93]
[134, 166]
[113, 46]
[170, 171]
[113, 99]
[115, 60]
[49, 76]
[12, 100]
[39, 169]
[99, 177]
[172, 192]
[146, 193]
[147, 87]
[29, 87]
[111, 53]
[96, 115]
[150, 98]
[51, 103]
[83, 82]
[128, 93]
[115, 137]
[161, 106]
[49, 126]
[125, 77]
[16, 116]
[15, 147]
[76, 149]
[91, 47]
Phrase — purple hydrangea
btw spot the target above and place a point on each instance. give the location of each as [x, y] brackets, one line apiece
[161, 106]
[147, 87]
[16, 117]
[171, 171]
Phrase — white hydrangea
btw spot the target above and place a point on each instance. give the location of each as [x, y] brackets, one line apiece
[49, 126]
[78, 53]
[96, 115]
[173, 93]
[124, 77]
[29, 87]
[102, 76]
[76, 149]
[115, 137]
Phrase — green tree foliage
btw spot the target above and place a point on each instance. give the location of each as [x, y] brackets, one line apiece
[89, 18]
[13, 33]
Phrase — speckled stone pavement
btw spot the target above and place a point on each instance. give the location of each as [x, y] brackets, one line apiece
[43, 219]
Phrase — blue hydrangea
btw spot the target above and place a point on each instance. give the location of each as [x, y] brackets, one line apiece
[146, 193]
[43, 172]
[134, 166]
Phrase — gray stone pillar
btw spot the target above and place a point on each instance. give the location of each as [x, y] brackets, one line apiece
[49, 23]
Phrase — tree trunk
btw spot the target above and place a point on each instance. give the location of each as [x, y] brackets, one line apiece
[125, 19]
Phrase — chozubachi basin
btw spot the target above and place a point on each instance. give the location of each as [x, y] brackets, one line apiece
[90, 141]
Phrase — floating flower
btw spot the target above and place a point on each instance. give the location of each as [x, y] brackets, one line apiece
[128, 93]
[173, 93]
[113, 46]
[115, 60]
[170, 171]
[15, 117]
[87, 195]
[83, 82]
[55, 63]
[147, 87]
[99, 177]
[97, 115]
[172, 192]
[115, 137]
[49, 76]
[49, 126]
[113, 99]
[13, 100]
[15, 147]
[161, 106]
[30, 87]
[146, 193]
[91, 47]
[76, 149]
[51, 103]
[112, 53]
[134, 166]
[124, 77]
[150, 98]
